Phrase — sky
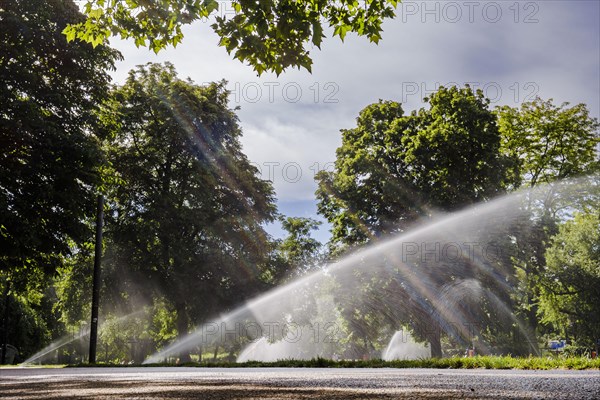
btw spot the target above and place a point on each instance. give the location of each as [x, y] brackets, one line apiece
[512, 50]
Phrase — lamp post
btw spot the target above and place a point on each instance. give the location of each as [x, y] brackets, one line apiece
[5, 316]
[96, 281]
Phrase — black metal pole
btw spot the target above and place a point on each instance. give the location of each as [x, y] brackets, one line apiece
[5, 316]
[96, 284]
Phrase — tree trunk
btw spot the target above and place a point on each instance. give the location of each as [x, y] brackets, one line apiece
[435, 343]
[216, 352]
[182, 330]
[367, 353]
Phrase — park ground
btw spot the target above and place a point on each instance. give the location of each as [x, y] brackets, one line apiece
[296, 383]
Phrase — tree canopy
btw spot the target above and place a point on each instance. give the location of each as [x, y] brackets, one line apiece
[50, 159]
[187, 213]
[270, 35]
[549, 142]
[299, 251]
[50, 166]
[394, 168]
[570, 285]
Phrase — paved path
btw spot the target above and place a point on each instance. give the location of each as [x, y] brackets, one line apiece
[300, 383]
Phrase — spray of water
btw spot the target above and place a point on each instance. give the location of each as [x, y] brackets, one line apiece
[448, 275]
[48, 352]
[402, 346]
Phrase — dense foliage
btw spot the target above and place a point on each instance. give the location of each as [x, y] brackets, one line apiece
[393, 170]
[50, 92]
[188, 211]
[269, 35]
[570, 282]
[50, 162]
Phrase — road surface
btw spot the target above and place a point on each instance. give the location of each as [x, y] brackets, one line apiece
[298, 383]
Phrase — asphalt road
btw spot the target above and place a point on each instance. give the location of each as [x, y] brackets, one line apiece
[301, 383]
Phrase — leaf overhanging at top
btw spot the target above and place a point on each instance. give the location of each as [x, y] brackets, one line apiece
[268, 35]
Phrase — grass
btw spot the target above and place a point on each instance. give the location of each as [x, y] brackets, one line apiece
[481, 362]
[49, 366]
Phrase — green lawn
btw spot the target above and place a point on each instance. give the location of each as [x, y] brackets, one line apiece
[484, 362]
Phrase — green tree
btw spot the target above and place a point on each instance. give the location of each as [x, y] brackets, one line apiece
[455, 150]
[186, 220]
[369, 172]
[73, 286]
[298, 252]
[548, 143]
[393, 169]
[270, 35]
[570, 282]
[49, 163]
[49, 152]
[30, 317]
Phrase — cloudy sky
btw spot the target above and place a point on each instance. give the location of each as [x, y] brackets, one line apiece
[513, 50]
